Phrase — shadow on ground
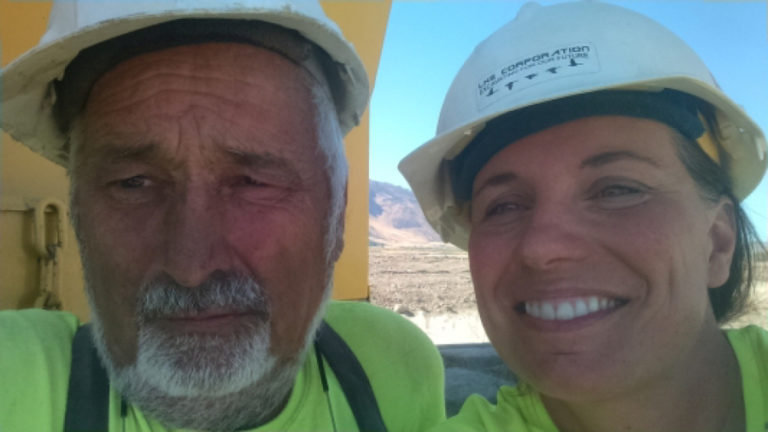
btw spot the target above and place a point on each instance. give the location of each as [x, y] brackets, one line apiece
[472, 368]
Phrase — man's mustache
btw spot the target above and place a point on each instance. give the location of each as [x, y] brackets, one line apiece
[226, 291]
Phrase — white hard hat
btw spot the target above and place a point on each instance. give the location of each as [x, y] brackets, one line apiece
[550, 53]
[28, 94]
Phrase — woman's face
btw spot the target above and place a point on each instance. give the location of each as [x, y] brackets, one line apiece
[591, 252]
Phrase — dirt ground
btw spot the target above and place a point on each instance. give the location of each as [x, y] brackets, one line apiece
[431, 286]
[429, 279]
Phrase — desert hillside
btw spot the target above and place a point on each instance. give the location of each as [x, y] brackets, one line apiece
[413, 273]
[395, 218]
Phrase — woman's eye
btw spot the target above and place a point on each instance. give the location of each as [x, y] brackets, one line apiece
[617, 190]
[617, 196]
[502, 208]
[497, 210]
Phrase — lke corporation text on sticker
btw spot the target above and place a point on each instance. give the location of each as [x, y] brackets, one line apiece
[534, 69]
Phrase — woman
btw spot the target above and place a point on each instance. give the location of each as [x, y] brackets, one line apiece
[593, 170]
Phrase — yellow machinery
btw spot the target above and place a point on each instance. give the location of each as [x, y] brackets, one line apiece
[39, 261]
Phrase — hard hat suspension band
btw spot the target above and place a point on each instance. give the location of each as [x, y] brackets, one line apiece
[678, 110]
[82, 73]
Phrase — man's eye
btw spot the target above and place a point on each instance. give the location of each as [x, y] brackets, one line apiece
[135, 182]
[258, 190]
[133, 190]
[250, 181]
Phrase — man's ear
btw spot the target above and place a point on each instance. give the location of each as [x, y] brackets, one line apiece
[722, 235]
[338, 244]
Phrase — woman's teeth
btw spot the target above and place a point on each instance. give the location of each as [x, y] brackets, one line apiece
[562, 310]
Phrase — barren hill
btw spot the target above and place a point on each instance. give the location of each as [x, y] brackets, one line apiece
[395, 217]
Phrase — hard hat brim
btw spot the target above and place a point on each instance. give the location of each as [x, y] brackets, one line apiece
[27, 96]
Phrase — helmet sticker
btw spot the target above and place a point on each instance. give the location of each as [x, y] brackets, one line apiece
[545, 65]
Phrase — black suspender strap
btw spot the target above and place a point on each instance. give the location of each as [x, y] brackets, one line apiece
[88, 395]
[352, 378]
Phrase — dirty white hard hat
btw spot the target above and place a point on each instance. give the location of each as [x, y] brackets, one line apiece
[28, 91]
[554, 52]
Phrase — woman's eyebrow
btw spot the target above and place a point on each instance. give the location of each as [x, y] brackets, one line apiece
[496, 180]
[615, 156]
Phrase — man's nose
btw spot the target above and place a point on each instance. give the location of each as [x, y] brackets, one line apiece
[554, 234]
[195, 237]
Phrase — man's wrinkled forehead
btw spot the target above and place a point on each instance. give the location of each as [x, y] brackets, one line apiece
[73, 90]
[228, 103]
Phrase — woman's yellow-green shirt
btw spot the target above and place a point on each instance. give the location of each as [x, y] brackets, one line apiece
[519, 409]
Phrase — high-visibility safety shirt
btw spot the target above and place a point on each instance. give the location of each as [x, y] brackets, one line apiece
[402, 365]
[520, 409]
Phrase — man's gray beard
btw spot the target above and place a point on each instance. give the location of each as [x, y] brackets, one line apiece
[204, 381]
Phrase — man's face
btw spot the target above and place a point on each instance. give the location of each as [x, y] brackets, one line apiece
[591, 252]
[199, 167]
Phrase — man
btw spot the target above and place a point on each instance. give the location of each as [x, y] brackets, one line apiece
[208, 191]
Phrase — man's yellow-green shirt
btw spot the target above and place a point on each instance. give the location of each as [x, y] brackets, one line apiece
[402, 364]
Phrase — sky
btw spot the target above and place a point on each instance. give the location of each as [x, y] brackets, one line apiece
[427, 42]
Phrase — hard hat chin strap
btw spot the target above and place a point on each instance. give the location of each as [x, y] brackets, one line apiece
[678, 110]
[82, 73]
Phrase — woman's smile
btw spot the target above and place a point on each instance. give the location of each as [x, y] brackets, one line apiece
[568, 309]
